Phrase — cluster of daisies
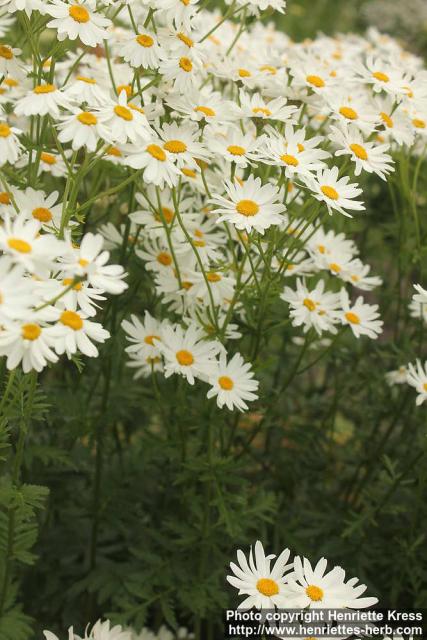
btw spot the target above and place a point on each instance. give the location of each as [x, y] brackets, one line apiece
[236, 155]
[294, 585]
[105, 630]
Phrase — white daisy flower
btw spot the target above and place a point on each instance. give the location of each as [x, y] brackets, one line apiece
[335, 192]
[417, 378]
[250, 206]
[10, 65]
[183, 71]
[124, 122]
[158, 164]
[28, 342]
[232, 383]
[36, 205]
[255, 106]
[181, 141]
[16, 292]
[143, 336]
[86, 89]
[294, 153]
[10, 147]
[367, 156]
[315, 308]
[361, 317]
[263, 585]
[74, 332]
[78, 20]
[43, 99]
[397, 376]
[82, 129]
[187, 353]
[142, 50]
[234, 146]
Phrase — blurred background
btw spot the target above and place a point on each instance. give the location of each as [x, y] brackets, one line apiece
[405, 19]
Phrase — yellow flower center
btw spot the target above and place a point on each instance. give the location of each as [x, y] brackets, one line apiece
[382, 77]
[168, 214]
[71, 319]
[310, 304]
[190, 173]
[44, 88]
[207, 111]
[267, 587]
[19, 245]
[5, 198]
[247, 208]
[235, 150]
[150, 339]
[164, 258]
[10, 82]
[425, 386]
[316, 81]
[353, 318]
[5, 130]
[185, 358]
[214, 277]
[186, 64]
[269, 69]
[290, 160]
[87, 118]
[69, 281]
[359, 151]
[126, 88]
[83, 262]
[31, 331]
[185, 39]
[86, 80]
[175, 146]
[48, 158]
[156, 152]
[79, 14]
[418, 123]
[123, 112]
[244, 73]
[262, 110]
[314, 593]
[145, 41]
[329, 192]
[6, 52]
[386, 119]
[349, 113]
[225, 383]
[335, 267]
[113, 151]
[42, 214]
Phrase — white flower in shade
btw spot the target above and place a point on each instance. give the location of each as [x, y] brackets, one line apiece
[89, 261]
[142, 50]
[16, 293]
[352, 108]
[79, 295]
[157, 163]
[251, 205]
[397, 376]
[144, 366]
[221, 287]
[263, 585]
[421, 295]
[43, 99]
[86, 89]
[335, 192]
[186, 352]
[367, 156]
[143, 336]
[177, 11]
[233, 383]
[314, 308]
[78, 20]
[82, 129]
[361, 317]
[21, 239]
[381, 75]
[10, 147]
[36, 205]
[28, 342]
[51, 636]
[357, 274]
[312, 587]
[255, 106]
[417, 378]
[124, 122]
[74, 332]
